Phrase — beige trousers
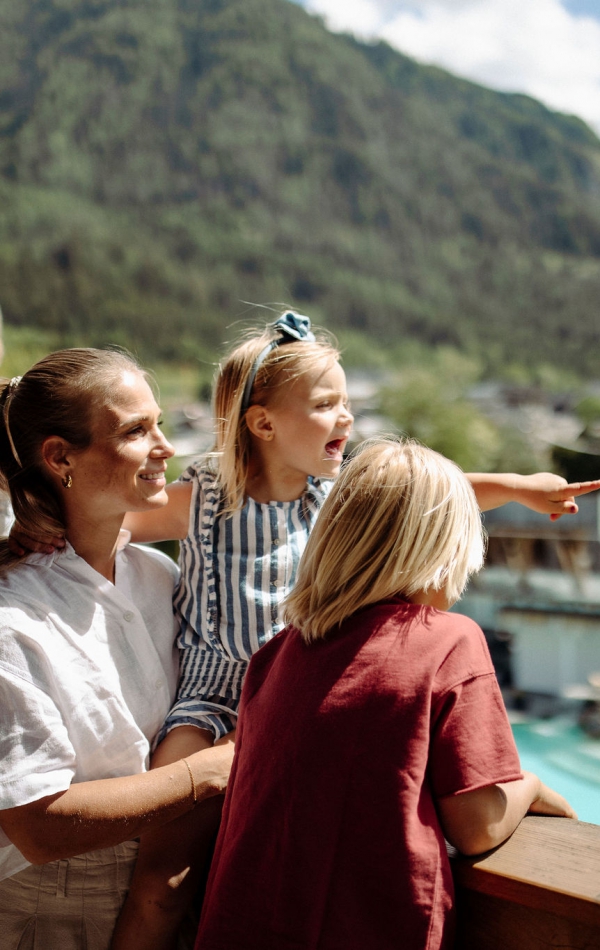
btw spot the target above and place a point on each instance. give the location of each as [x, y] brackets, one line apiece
[66, 905]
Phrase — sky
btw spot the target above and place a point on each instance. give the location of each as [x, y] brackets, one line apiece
[549, 49]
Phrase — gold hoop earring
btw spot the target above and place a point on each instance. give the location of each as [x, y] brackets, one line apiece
[67, 481]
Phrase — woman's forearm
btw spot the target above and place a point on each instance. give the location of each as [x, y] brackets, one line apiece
[98, 814]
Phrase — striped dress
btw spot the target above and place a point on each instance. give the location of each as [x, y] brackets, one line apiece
[235, 571]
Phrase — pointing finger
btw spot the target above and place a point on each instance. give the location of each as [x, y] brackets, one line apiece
[582, 488]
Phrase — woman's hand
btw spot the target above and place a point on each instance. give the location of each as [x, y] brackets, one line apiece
[211, 767]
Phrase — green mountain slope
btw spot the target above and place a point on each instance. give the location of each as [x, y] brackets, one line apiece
[161, 163]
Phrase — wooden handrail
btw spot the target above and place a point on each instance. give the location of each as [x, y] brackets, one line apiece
[539, 890]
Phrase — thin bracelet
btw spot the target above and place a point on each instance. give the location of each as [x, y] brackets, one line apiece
[195, 793]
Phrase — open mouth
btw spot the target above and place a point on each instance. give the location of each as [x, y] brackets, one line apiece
[153, 476]
[334, 449]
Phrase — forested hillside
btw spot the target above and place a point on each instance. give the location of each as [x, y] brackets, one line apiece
[162, 162]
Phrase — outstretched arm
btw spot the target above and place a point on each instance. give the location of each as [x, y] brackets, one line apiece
[543, 492]
[169, 523]
[477, 821]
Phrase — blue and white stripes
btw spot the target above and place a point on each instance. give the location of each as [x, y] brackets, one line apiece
[235, 571]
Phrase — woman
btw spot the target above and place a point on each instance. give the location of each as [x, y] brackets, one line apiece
[87, 666]
[378, 725]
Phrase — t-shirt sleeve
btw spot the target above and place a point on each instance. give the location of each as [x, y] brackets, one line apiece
[471, 741]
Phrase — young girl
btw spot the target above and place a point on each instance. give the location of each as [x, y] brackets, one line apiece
[391, 731]
[243, 516]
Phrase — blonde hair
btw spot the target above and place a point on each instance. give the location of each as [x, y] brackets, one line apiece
[59, 396]
[400, 519]
[286, 363]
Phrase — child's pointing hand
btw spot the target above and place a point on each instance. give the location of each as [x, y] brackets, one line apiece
[550, 494]
[543, 492]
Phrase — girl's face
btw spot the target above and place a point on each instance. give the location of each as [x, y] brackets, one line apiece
[124, 467]
[311, 423]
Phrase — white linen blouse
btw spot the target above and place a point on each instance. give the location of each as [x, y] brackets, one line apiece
[88, 672]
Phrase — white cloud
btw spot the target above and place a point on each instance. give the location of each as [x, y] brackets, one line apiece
[531, 46]
[366, 18]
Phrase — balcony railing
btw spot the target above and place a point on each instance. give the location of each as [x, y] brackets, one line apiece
[539, 890]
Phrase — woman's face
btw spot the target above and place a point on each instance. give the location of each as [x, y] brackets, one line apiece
[124, 467]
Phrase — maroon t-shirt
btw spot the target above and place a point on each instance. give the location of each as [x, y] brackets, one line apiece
[330, 838]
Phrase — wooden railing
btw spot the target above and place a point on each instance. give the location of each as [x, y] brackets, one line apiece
[539, 890]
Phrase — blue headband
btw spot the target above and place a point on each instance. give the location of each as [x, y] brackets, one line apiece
[293, 327]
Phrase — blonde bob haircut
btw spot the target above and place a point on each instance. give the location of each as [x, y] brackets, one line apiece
[400, 519]
[285, 364]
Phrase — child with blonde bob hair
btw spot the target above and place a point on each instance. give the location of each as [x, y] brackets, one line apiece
[391, 731]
